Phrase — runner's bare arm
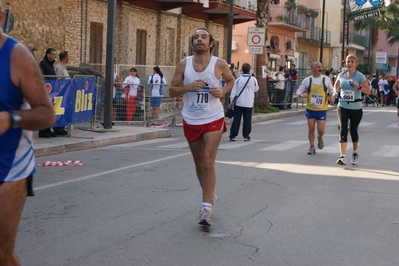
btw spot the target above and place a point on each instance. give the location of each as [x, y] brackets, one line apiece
[26, 75]
[222, 69]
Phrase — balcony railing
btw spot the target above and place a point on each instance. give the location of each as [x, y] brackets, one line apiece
[358, 39]
[314, 34]
[244, 4]
[292, 17]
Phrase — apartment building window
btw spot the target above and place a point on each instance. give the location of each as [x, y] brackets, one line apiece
[96, 42]
[170, 47]
[141, 47]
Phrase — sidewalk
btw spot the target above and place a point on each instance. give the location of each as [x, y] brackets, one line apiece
[83, 138]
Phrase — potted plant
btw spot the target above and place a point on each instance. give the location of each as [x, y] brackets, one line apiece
[290, 5]
[251, 6]
[302, 9]
[313, 13]
[281, 18]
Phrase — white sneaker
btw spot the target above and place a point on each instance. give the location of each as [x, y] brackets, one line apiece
[341, 160]
[205, 216]
[312, 151]
[355, 158]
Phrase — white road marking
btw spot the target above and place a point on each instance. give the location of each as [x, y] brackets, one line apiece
[110, 171]
[298, 123]
[180, 145]
[387, 151]
[284, 146]
[394, 125]
[270, 122]
[236, 144]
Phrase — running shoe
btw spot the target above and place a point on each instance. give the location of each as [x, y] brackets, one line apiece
[341, 160]
[320, 143]
[355, 158]
[246, 139]
[205, 216]
[312, 151]
[232, 139]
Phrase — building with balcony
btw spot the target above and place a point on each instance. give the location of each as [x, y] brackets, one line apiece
[294, 33]
[148, 32]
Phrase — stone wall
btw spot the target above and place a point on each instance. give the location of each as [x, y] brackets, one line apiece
[65, 25]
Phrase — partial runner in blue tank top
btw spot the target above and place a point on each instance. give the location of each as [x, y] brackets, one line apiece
[16, 151]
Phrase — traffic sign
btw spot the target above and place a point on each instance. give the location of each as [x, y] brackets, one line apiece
[255, 50]
[256, 36]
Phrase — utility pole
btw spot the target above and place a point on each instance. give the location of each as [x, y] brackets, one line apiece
[230, 32]
[109, 64]
[344, 36]
[229, 42]
[322, 31]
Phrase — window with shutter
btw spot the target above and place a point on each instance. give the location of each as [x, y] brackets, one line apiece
[96, 42]
[141, 47]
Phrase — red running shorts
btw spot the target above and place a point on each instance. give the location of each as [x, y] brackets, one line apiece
[194, 132]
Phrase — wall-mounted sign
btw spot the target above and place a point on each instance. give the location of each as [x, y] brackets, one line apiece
[381, 60]
[255, 50]
[256, 36]
[363, 9]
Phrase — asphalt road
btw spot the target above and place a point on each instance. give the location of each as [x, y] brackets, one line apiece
[138, 203]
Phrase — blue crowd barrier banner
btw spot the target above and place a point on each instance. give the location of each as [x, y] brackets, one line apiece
[73, 99]
[85, 99]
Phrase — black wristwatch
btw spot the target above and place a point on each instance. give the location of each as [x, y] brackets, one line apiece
[15, 120]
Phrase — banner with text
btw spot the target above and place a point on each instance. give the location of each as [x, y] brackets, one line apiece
[73, 99]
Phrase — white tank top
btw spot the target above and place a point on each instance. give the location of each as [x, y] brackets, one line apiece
[199, 106]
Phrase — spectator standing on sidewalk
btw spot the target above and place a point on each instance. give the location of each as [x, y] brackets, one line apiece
[197, 79]
[350, 84]
[244, 104]
[156, 81]
[280, 88]
[60, 69]
[47, 67]
[317, 90]
[24, 106]
[131, 84]
[293, 80]
[382, 83]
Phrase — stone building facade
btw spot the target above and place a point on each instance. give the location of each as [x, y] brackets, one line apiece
[80, 27]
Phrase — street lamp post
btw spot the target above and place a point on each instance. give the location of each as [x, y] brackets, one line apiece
[343, 36]
[230, 32]
[229, 42]
[322, 30]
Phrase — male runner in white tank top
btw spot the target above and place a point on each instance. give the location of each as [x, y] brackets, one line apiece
[197, 79]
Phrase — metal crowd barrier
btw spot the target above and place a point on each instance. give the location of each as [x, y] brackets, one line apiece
[285, 98]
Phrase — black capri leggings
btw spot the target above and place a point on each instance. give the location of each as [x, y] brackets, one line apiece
[344, 115]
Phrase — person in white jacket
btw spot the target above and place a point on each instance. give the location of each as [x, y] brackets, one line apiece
[244, 104]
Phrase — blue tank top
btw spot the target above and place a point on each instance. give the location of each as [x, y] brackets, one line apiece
[16, 151]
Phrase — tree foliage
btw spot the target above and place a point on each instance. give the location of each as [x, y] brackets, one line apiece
[387, 22]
